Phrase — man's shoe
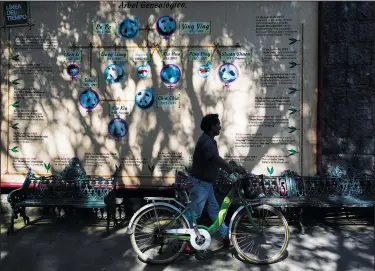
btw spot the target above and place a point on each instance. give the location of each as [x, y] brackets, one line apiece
[227, 243]
[189, 250]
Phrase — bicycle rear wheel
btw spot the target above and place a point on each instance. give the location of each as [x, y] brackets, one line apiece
[264, 241]
[147, 241]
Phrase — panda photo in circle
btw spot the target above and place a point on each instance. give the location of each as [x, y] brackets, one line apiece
[166, 26]
[114, 74]
[170, 74]
[228, 73]
[128, 28]
[118, 128]
[89, 99]
[72, 70]
[145, 99]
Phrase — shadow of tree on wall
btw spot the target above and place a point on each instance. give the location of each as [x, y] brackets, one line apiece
[82, 132]
[60, 105]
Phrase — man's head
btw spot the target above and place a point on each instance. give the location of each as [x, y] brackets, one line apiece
[211, 125]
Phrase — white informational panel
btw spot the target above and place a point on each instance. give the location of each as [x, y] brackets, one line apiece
[114, 84]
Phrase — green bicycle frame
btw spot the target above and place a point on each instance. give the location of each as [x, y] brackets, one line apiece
[219, 220]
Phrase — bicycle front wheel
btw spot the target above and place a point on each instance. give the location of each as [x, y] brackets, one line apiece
[265, 239]
[147, 240]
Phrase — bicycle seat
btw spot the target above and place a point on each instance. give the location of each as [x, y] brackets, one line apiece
[182, 186]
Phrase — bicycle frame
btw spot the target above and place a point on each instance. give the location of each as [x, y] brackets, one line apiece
[219, 220]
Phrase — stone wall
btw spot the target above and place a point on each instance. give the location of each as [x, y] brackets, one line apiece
[347, 75]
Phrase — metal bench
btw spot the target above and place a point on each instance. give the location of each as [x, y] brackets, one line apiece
[341, 187]
[71, 188]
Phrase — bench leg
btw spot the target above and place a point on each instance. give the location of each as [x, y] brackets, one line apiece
[115, 216]
[300, 219]
[26, 219]
[11, 225]
[13, 216]
[109, 214]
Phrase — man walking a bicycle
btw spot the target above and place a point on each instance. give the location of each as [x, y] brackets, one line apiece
[160, 231]
[205, 170]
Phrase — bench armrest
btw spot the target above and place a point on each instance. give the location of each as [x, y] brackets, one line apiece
[16, 196]
[20, 194]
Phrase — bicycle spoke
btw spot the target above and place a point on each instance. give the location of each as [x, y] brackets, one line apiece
[265, 244]
[142, 244]
[146, 234]
[160, 249]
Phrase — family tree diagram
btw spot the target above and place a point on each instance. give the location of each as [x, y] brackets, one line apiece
[171, 57]
[284, 88]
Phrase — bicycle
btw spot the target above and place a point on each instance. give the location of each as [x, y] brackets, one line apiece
[160, 223]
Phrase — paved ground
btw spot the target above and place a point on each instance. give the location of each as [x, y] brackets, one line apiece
[78, 245]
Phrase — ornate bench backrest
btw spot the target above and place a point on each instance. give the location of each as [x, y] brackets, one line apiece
[339, 181]
[71, 183]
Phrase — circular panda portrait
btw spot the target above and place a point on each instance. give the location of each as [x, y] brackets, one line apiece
[114, 74]
[145, 99]
[228, 73]
[204, 70]
[72, 70]
[143, 71]
[166, 26]
[170, 74]
[128, 28]
[118, 128]
[89, 99]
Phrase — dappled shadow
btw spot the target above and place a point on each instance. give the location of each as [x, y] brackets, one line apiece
[82, 245]
[77, 132]
[73, 132]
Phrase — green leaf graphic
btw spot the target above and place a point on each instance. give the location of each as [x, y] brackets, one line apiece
[14, 126]
[15, 104]
[151, 168]
[292, 152]
[293, 90]
[47, 167]
[292, 129]
[293, 64]
[292, 111]
[293, 41]
[14, 149]
[270, 170]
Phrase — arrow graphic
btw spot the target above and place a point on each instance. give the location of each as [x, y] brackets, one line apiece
[14, 149]
[293, 64]
[293, 90]
[292, 111]
[15, 126]
[292, 129]
[16, 57]
[15, 104]
[292, 152]
[293, 41]
[15, 81]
